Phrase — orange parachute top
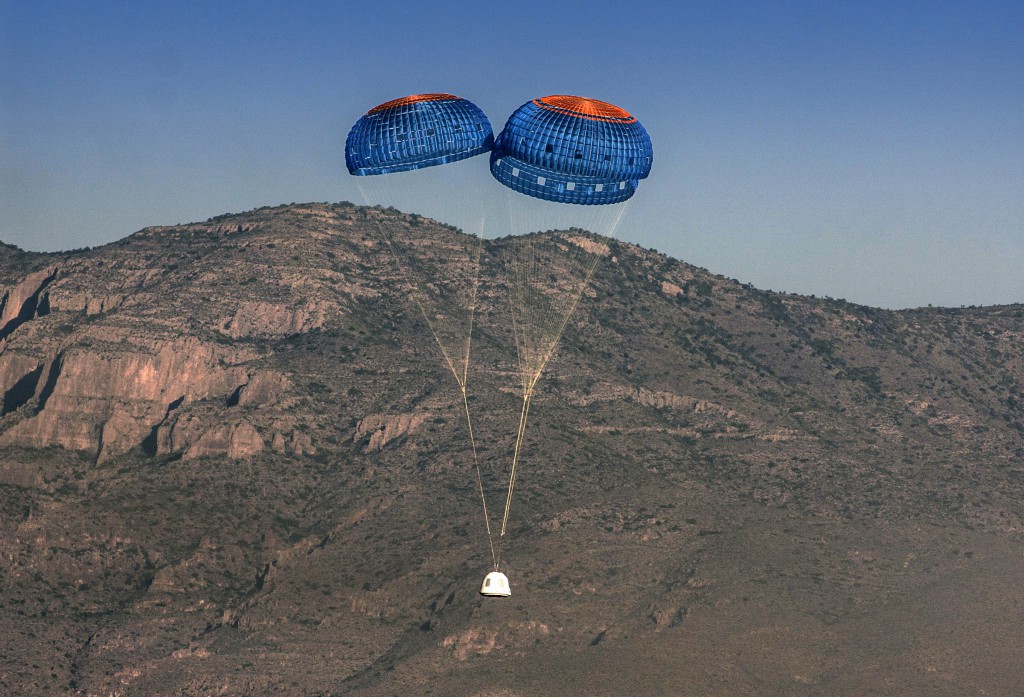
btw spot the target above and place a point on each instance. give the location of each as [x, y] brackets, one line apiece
[411, 99]
[585, 108]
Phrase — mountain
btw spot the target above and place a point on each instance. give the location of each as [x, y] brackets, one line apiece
[233, 461]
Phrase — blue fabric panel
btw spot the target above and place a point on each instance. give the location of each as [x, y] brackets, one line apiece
[415, 134]
[563, 146]
[551, 185]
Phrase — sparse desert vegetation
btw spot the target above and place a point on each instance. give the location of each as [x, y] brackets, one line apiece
[232, 460]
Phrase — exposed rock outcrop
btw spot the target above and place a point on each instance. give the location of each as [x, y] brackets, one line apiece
[382, 429]
[296, 443]
[301, 444]
[671, 289]
[481, 641]
[85, 302]
[263, 319]
[235, 440]
[21, 303]
[651, 398]
[107, 404]
[19, 376]
[263, 387]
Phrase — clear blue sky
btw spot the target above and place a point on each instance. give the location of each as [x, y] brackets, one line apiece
[869, 151]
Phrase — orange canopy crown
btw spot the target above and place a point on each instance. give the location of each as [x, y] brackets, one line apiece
[411, 99]
[585, 108]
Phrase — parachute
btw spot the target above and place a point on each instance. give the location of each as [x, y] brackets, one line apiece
[560, 150]
[407, 140]
[572, 150]
[421, 130]
[570, 166]
[418, 143]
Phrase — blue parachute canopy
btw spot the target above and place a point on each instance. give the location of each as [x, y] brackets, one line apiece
[572, 150]
[422, 130]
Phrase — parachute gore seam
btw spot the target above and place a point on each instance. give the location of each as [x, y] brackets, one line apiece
[585, 108]
[412, 99]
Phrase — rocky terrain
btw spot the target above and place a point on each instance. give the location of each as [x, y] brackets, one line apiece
[233, 462]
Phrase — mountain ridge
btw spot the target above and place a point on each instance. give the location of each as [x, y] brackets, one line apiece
[199, 423]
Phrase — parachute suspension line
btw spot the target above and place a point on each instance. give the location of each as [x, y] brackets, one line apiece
[474, 288]
[463, 378]
[515, 261]
[587, 266]
[527, 398]
[459, 378]
[480, 481]
[465, 404]
[531, 379]
[539, 319]
[588, 275]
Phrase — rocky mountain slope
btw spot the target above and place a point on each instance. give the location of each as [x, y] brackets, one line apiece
[233, 462]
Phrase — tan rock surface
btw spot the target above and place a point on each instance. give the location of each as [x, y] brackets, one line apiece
[19, 303]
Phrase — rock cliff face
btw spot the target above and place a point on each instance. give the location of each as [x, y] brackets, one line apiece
[19, 376]
[115, 348]
[232, 461]
[380, 429]
[258, 319]
[23, 302]
[107, 403]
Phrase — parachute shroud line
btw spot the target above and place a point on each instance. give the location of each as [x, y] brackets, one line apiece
[461, 377]
[539, 323]
[581, 156]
